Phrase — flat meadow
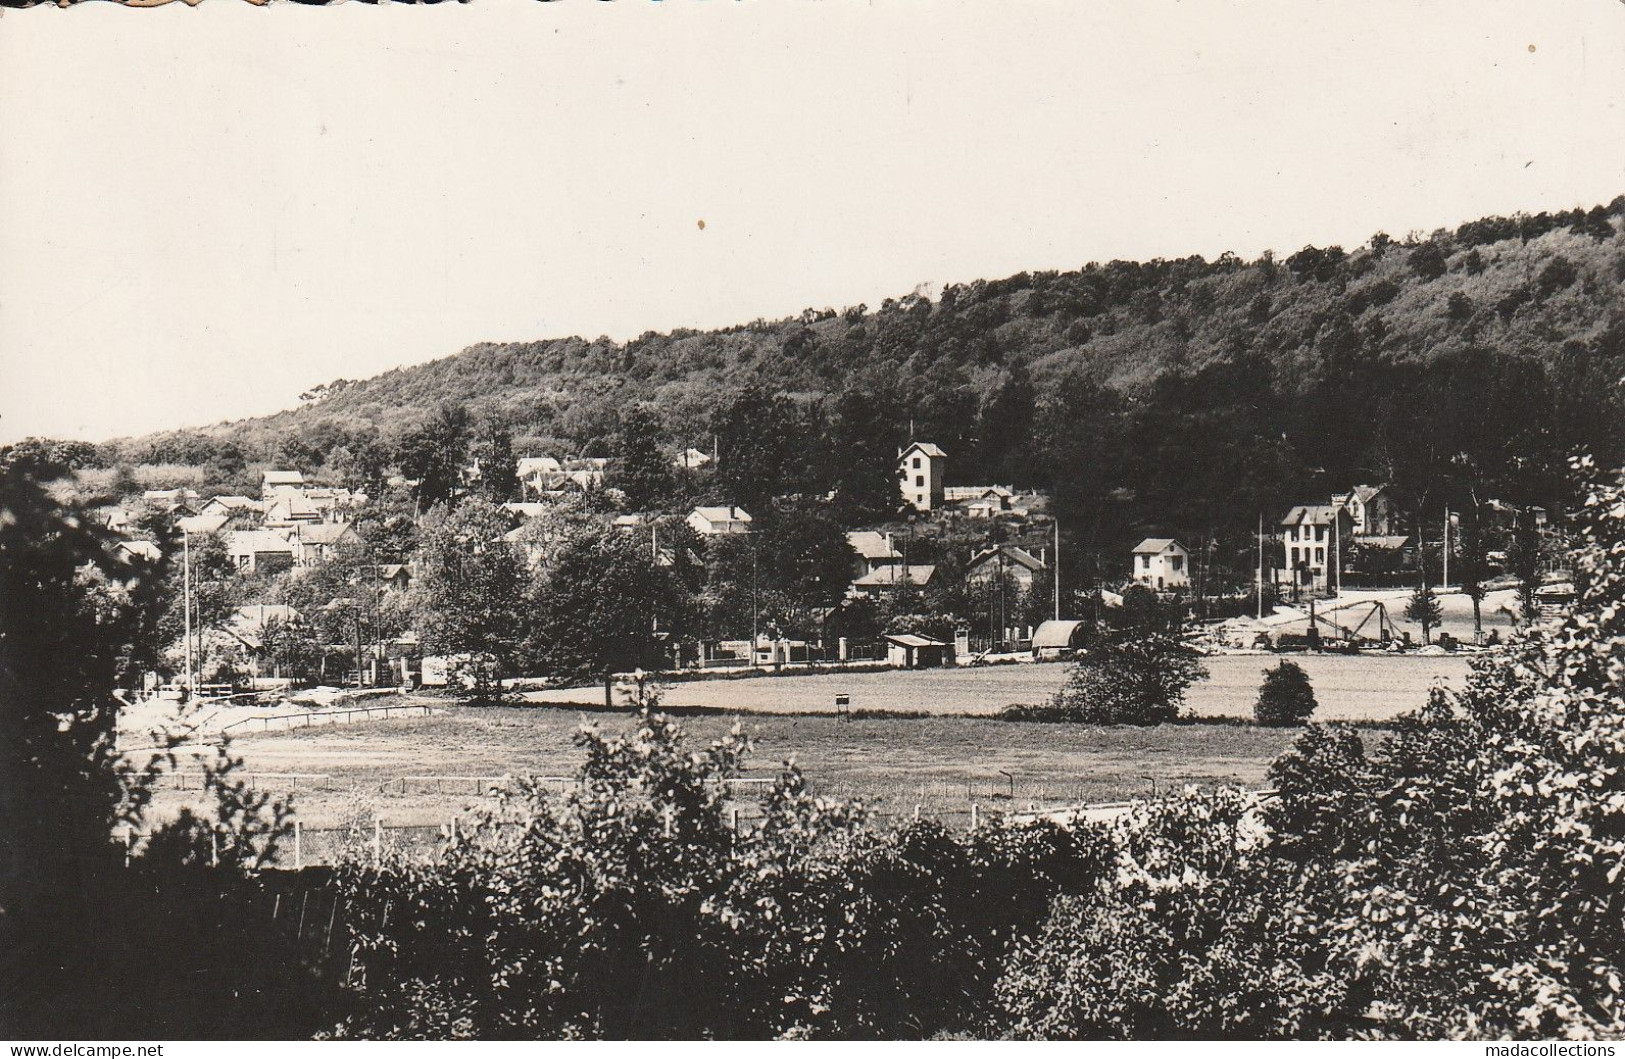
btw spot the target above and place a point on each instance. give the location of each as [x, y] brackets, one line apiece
[921, 739]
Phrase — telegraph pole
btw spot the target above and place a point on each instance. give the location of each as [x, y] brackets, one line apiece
[186, 607]
[1057, 569]
[1337, 550]
[1260, 566]
[1445, 587]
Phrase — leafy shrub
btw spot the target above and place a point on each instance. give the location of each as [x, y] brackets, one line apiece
[1136, 678]
[630, 908]
[1196, 935]
[1285, 698]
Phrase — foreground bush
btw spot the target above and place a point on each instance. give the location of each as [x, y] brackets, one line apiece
[629, 908]
[1197, 934]
[173, 938]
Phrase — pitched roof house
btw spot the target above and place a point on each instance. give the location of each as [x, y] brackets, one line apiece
[318, 542]
[892, 578]
[202, 524]
[921, 469]
[1018, 563]
[1162, 562]
[230, 505]
[874, 550]
[260, 550]
[718, 521]
[290, 508]
[143, 551]
[691, 459]
[1372, 510]
[1310, 537]
[273, 482]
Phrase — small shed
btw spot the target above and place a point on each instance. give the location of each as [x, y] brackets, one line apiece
[1053, 639]
[911, 651]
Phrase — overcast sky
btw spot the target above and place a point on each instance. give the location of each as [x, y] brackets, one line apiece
[205, 211]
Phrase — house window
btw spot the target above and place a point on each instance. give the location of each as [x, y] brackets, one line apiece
[1177, 561]
[919, 479]
[1145, 562]
[916, 463]
[1320, 556]
[919, 498]
[1320, 533]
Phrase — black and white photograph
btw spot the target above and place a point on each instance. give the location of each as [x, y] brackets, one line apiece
[773, 520]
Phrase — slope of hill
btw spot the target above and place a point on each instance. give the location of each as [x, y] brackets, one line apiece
[1498, 347]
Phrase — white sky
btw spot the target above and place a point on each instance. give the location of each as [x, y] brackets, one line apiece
[205, 211]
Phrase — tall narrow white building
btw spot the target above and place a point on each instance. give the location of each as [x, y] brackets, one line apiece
[923, 466]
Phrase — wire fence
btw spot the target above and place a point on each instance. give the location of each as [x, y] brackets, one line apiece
[282, 722]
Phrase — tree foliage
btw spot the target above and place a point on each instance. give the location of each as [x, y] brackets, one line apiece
[1136, 678]
[1286, 696]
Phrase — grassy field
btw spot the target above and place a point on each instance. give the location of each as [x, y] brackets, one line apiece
[419, 772]
[1349, 688]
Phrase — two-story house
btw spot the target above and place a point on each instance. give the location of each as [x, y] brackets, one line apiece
[1373, 510]
[1311, 536]
[1162, 562]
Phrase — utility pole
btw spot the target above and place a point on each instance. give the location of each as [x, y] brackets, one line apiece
[1057, 569]
[1260, 566]
[360, 676]
[186, 607]
[1337, 551]
[1445, 587]
[1001, 593]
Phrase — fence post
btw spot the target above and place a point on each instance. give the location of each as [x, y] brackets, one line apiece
[973, 816]
[214, 848]
[734, 815]
[298, 847]
[129, 844]
[377, 840]
[668, 821]
[454, 830]
[917, 808]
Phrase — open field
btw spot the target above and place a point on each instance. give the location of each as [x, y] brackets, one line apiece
[1350, 688]
[939, 763]
[421, 772]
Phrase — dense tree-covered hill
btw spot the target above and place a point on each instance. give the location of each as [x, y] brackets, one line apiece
[1191, 394]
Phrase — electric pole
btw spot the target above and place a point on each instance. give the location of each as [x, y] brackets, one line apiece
[1057, 569]
[186, 607]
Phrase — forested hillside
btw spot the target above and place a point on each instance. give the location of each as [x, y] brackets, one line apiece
[1183, 396]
